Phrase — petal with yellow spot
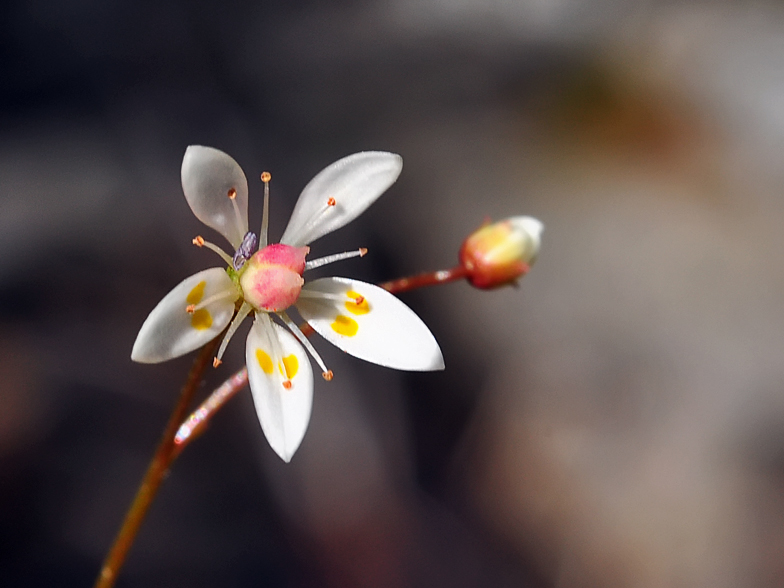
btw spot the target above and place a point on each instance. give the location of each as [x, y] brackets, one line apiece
[291, 365]
[201, 319]
[197, 293]
[265, 362]
[345, 325]
[351, 305]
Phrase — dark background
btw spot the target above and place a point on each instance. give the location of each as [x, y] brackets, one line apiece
[618, 420]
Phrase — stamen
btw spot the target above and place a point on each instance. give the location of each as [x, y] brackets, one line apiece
[265, 177]
[235, 323]
[316, 218]
[200, 242]
[328, 296]
[304, 340]
[328, 375]
[314, 263]
[272, 337]
[191, 308]
[244, 251]
[232, 194]
[321, 295]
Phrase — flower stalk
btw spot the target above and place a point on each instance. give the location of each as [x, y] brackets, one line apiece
[267, 281]
[157, 469]
[180, 430]
[425, 279]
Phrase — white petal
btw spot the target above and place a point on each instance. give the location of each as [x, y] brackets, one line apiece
[354, 182]
[531, 228]
[208, 175]
[385, 331]
[284, 413]
[170, 331]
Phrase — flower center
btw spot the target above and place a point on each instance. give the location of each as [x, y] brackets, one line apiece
[272, 278]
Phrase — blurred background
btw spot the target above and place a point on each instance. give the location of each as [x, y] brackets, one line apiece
[616, 421]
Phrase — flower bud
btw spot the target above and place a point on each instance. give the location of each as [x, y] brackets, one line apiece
[499, 253]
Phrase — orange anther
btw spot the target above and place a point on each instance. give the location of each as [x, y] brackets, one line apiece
[287, 384]
[359, 300]
[216, 362]
[362, 252]
[232, 193]
[190, 309]
[331, 201]
[198, 241]
[327, 375]
[265, 177]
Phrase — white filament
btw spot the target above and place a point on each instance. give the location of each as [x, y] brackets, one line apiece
[322, 295]
[303, 339]
[235, 323]
[264, 218]
[223, 255]
[214, 298]
[333, 258]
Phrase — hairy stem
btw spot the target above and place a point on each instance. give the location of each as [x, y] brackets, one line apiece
[155, 472]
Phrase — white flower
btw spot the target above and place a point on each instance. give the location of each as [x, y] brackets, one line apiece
[361, 319]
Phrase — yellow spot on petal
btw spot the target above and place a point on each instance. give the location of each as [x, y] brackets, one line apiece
[291, 365]
[345, 325]
[265, 363]
[362, 308]
[195, 295]
[201, 319]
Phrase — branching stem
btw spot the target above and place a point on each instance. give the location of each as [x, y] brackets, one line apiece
[179, 431]
[157, 469]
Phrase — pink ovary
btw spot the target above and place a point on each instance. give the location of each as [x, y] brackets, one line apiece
[292, 258]
[273, 278]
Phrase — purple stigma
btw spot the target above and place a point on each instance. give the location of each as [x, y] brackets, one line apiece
[245, 250]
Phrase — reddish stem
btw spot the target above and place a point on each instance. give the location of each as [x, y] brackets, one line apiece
[196, 424]
[155, 472]
[425, 279]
